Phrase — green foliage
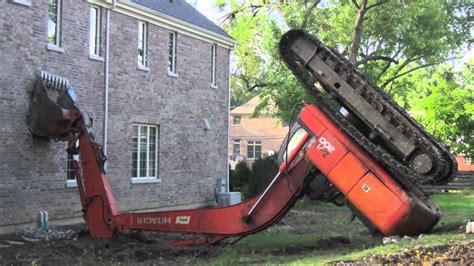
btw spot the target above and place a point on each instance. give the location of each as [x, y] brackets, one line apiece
[442, 100]
[394, 38]
[252, 182]
[239, 176]
[262, 173]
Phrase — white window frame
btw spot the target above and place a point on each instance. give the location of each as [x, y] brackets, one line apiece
[172, 53]
[56, 44]
[71, 182]
[143, 45]
[239, 143]
[95, 33]
[253, 144]
[213, 65]
[137, 179]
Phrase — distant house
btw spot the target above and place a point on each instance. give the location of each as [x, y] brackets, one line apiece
[153, 74]
[250, 137]
[465, 163]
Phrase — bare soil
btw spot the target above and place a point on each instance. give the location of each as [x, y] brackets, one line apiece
[146, 247]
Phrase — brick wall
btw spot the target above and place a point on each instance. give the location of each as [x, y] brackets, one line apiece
[33, 171]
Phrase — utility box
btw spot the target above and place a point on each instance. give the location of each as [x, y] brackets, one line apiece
[225, 199]
[221, 186]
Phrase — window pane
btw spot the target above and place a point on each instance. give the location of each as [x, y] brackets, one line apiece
[134, 151]
[236, 147]
[213, 64]
[143, 150]
[93, 31]
[152, 152]
[258, 150]
[250, 150]
[172, 52]
[53, 21]
[237, 120]
[70, 170]
[142, 42]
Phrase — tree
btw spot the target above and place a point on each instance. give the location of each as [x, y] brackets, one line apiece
[446, 105]
[387, 39]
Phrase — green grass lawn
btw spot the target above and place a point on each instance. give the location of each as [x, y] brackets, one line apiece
[329, 236]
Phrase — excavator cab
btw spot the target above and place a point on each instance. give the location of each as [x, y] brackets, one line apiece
[52, 109]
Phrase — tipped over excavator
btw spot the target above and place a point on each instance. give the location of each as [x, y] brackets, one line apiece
[353, 146]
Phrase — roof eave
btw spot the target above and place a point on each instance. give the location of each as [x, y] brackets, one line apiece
[130, 8]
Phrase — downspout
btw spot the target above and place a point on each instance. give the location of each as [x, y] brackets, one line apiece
[106, 75]
[228, 127]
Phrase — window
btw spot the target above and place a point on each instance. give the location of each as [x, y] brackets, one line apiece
[213, 65]
[236, 119]
[467, 160]
[142, 44]
[54, 22]
[236, 147]
[172, 53]
[254, 149]
[144, 152]
[94, 31]
[70, 177]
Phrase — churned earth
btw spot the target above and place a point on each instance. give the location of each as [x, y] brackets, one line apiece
[303, 234]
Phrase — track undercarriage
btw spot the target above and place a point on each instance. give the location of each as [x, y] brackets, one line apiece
[366, 113]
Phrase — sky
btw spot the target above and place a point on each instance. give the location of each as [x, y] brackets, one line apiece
[206, 7]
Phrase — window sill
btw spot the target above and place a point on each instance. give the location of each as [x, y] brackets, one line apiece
[213, 86]
[172, 74]
[143, 68]
[96, 57]
[22, 2]
[144, 180]
[253, 159]
[71, 183]
[54, 48]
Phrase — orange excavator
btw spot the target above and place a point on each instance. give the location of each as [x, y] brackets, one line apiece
[353, 145]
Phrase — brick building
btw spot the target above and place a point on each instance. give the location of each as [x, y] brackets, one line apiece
[164, 68]
[250, 137]
[465, 163]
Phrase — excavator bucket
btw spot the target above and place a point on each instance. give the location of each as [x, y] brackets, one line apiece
[52, 111]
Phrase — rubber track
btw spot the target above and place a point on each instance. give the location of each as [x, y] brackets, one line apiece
[445, 163]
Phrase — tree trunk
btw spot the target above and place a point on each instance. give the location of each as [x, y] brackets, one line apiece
[356, 35]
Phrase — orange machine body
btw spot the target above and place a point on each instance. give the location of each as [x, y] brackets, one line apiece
[368, 187]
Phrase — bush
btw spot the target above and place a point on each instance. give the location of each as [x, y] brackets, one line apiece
[239, 177]
[262, 173]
